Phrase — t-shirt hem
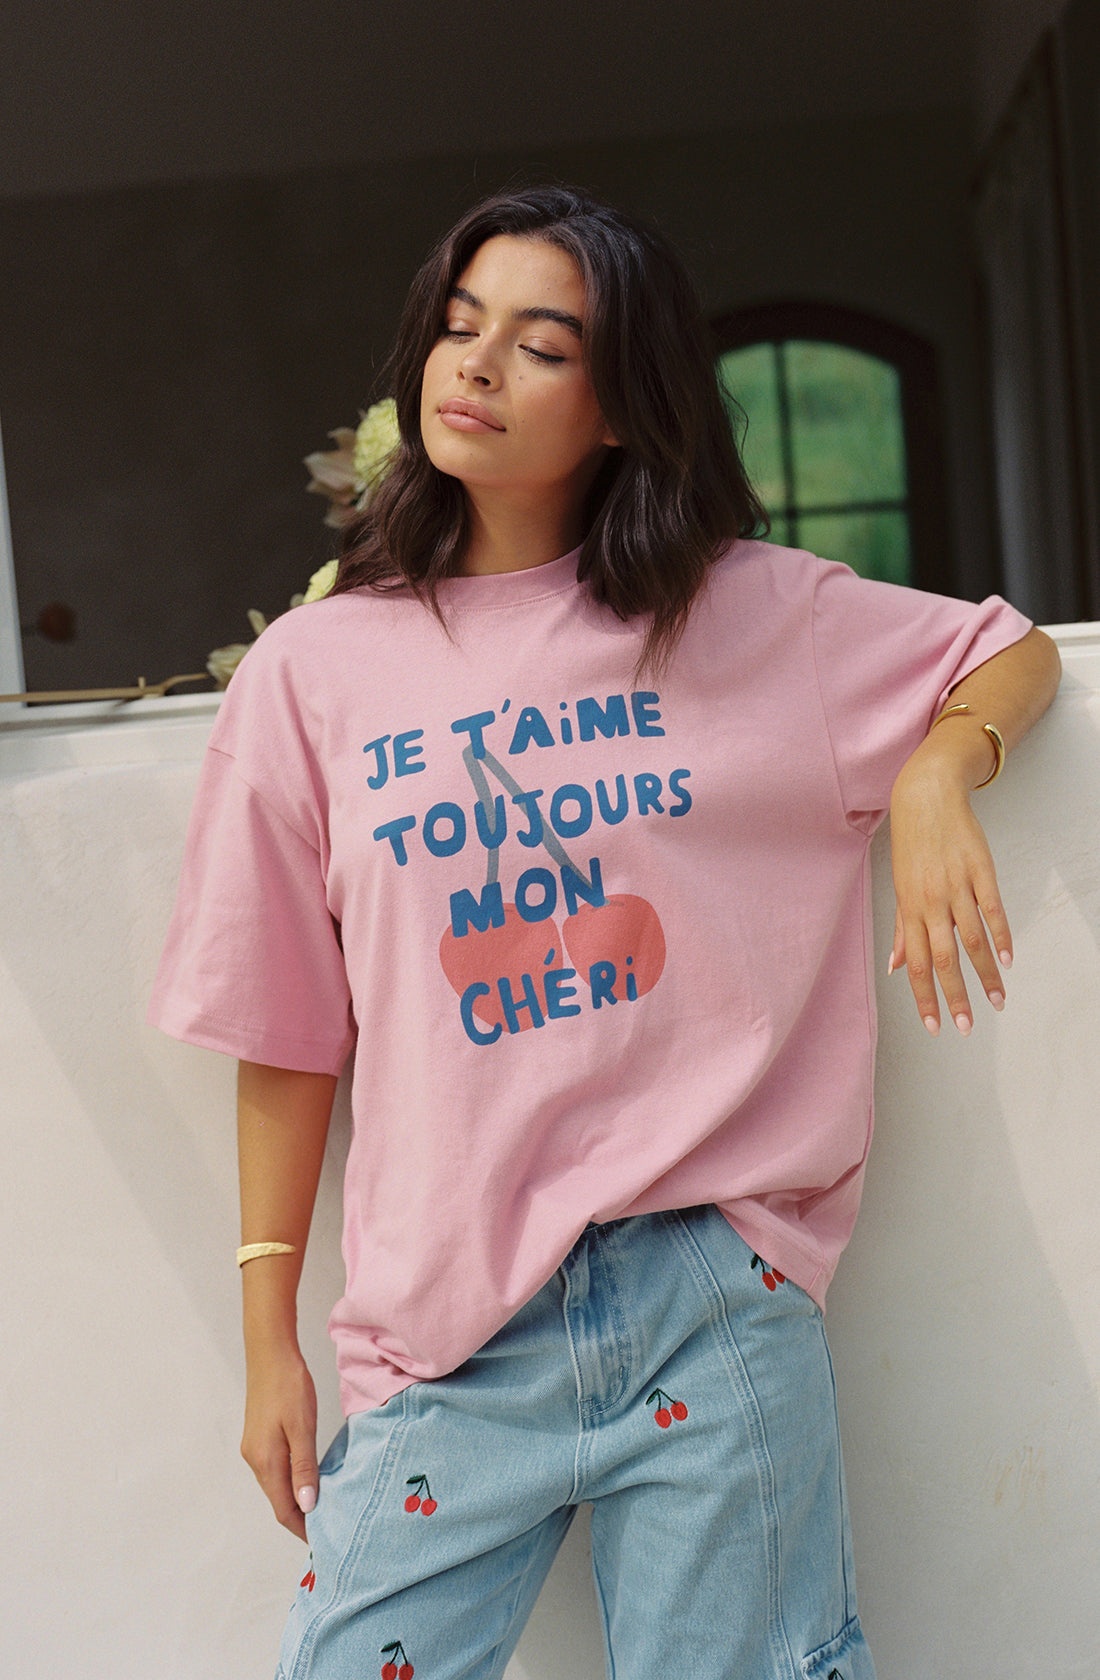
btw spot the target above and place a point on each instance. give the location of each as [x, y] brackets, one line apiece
[298, 1055]
[811, 1272]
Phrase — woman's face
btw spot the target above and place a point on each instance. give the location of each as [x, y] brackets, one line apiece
[506, 404]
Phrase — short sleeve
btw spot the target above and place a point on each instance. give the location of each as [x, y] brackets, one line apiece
[886, 660]
[252, 964]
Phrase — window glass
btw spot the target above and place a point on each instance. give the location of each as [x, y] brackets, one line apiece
[749, 376]
[874, 544]
[845, 425]
[825, 449]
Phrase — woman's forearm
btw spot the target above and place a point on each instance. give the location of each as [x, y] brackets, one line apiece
[1011, 691]
[282, 1123]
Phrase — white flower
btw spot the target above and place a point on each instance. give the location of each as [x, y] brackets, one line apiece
[320, 583]
[376, 438]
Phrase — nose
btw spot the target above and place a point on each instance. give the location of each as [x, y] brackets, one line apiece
[479, 365]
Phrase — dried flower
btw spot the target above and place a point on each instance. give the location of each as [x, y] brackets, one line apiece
[224, 660]
[349, 474]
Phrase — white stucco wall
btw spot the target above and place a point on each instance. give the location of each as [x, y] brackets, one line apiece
[964, 1322]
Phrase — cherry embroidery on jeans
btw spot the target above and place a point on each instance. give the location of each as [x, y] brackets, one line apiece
[309, 1579]
[770, 1276]
[390, 1670]
[667, 1408]
[416, 1500]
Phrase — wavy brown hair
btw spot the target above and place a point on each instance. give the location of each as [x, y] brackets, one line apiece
[663, 505]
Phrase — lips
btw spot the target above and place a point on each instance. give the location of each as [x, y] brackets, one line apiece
[467, 416]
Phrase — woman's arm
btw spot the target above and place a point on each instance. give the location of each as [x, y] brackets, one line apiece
[944, 877]
[282, 1124]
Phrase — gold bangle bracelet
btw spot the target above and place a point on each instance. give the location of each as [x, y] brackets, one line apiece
[256, 1251]
[998, 753]
[996, 740]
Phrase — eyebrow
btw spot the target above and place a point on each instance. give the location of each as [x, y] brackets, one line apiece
[563, 319]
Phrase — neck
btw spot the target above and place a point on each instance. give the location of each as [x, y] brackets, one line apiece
[514, 537]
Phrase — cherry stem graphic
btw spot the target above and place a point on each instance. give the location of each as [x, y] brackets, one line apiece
[485, 799]
[549, 841]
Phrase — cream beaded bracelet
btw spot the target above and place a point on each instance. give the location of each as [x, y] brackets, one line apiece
[991, 730]
[256, 1251]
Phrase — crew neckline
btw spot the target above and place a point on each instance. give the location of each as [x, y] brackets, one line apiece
[508, 589]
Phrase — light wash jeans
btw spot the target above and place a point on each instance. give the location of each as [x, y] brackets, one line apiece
[665, 1374]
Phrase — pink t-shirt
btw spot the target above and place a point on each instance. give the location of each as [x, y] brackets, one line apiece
[600, 942]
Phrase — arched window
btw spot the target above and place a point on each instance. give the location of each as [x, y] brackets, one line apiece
[842, 441]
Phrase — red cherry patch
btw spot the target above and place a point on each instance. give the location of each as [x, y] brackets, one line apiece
[770, 1276]
[390, 1670]
[668, 1410]
[420, 1499]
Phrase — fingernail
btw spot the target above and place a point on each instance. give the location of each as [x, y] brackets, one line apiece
[1006, 958]
[307, 1499]
[890, 966]
[963, 1023]
[997, 999]
[932, 1024]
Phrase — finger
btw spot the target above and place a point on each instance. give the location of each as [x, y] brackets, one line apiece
[922, 981]
[897, 950]
[974, 941]
[989, 902]
[948, 971]
[984, 910]
[290, 1517]
[271, 1469]
[303, 1473]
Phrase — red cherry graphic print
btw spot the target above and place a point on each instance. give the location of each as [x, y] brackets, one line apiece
[488, 955]
[668, 1409]
[770, 1276]
[420, 1499]
[390, 1670]
[625, 932]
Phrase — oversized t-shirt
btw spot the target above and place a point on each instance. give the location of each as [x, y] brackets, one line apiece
[599, 941]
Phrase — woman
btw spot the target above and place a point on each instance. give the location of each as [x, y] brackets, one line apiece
[558, 811]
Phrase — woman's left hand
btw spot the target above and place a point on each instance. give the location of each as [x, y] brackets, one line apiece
[944, 877]
[947, 894]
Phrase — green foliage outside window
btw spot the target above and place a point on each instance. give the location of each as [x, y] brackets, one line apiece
[825, 449]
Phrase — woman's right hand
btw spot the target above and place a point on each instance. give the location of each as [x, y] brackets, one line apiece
[280, 1434]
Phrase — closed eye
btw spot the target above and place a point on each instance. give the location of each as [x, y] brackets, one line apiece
[540, 355]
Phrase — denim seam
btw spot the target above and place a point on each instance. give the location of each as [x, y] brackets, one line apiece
[605, 1626]
[520, 1580]
[578, 1385]
[711, 1290]
[337, 1603]
[620, 1327]
[850, 1607]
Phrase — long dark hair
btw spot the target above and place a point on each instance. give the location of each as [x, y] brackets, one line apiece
[664, 503]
